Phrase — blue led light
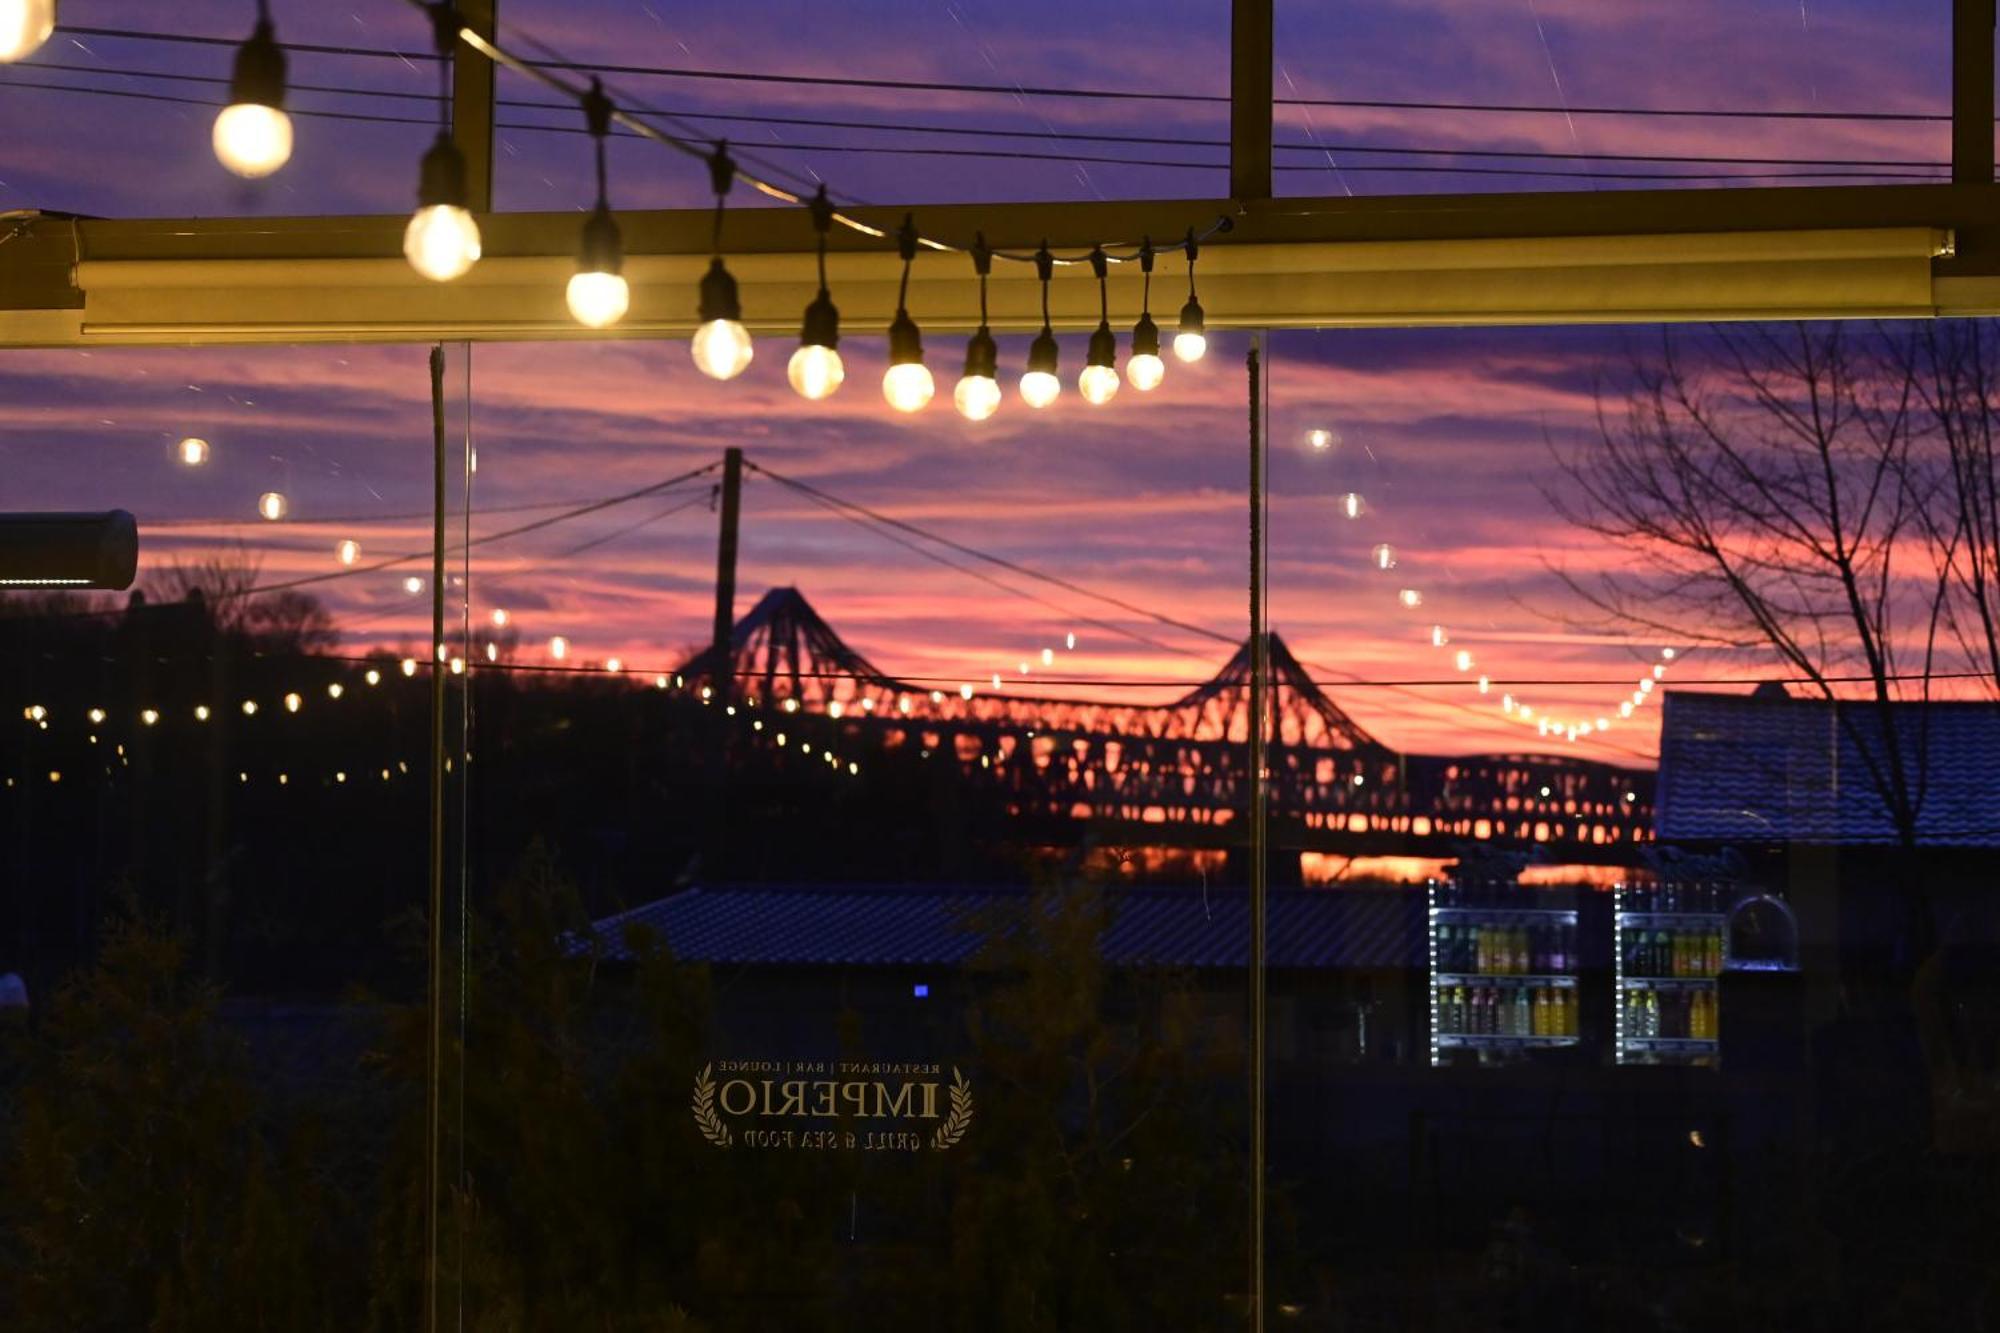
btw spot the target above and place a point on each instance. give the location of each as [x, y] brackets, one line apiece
[921, 990]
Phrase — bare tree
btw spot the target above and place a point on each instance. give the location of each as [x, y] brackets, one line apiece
[1771, 492]
[286, 621]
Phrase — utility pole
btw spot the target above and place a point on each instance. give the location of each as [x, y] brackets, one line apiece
[721, 645]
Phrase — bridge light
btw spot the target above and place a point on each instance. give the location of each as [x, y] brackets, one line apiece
[965, 691]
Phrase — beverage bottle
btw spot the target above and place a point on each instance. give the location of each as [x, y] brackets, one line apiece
[1520, 957]
[1524, 1013]
[1651, 1023]
[1679, 945]
[1479, 946]
[1712, 960]
[1482, 1011]
[1662, 954]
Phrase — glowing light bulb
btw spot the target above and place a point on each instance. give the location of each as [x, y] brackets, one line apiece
[252, 139]
[441, 242]
[1069, 641]
[500, 617]
[1097, 384]
[1667, 653]
[1320, 440]
[149, 716]
[1048, 656]
[1039, 388]
[97, 715]
[347, 552]
[24, 26]
[492, 652]
[335, 690]
[372, 676]
[614, 665]
[965, 691]
[908, 386]
[273, 506]
[815, 372]
[292, 702]
[409, 666]
[598, 300]
[1145, 370]
[1463, 660]
[249, 708]
[559, 647]
[192, 452]
[1485, 685]
[721, 346]
[457, 666]
[1352, 505]
[201, 712]
[977, 397]
[1384, 556]
[1410, 597]
[1438, 637]
[413, 585]
[1191, 341]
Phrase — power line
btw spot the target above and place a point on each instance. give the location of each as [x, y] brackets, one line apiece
[1895, 166]
[1099, 94]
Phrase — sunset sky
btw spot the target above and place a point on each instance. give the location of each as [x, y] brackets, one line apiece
[1448, 435]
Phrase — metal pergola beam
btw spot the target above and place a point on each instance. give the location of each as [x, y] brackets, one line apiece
[1250, 50]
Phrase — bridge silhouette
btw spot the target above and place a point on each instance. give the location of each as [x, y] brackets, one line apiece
[1175, 774]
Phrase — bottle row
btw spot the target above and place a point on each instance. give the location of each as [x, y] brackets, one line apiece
[1492, 1011]
[1672, 953]
[1540, 950]
[1682, 1015]
[1676, 896]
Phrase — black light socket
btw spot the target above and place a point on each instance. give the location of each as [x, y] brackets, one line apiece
[1145, 337]
[718, 295]
[1192, 320]
[822, 326]
[442, 177]
[259, 77]
[906, 345]
[602, 250]
[1103, 347]
[982, 356]
[1042, 352]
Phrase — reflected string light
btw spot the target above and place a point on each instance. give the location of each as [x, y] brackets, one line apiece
[272, 506]
[1352, 505]
[347, 552]
[293, 703]
[1383, 556]
[559, 648]
[192, 452]
[1321, 440]
[1410, 597]
[409, 666]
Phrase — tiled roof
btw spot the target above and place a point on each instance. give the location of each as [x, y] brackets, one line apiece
[1761, 769]
[922, 925]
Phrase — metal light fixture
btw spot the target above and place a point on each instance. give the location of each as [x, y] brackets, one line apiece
[1040, 385]
[253, 135]
[815, 369]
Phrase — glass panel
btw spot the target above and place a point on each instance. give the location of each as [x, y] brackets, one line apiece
[901, 957]
[1422, 98]
[216, 803]
[969, 102]
[1686, 963]
[135, 96]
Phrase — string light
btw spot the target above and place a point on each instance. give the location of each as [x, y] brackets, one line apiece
[1099, 381]
[442, 239]
[815, 369]
[409, 665]
[1144, 369]
[24, 26]
[1069, 642]
[1040, 384]
[413, 585]
[1321, 440]
[1352, 505]
[97, 715]
[292, 703]
[1384, 556]
[201, 712]
[193, 451]
[347, 552]
[149, 715]
[335, 690]
[598, 295]
[500, 617]
[272, 506]
[907, 384]
[253, 135]
[372, 676]
[559, 647]
[977, 396]
[614, 665]
[721, 344]
[249, 708]
[1191, 342]
[1410, 597]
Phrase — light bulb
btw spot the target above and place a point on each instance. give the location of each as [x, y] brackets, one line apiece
[252, 140]
[977, 397]
[1192, 338]
[1098, 384]
[598, 300]
[192, 452]
[721, 344]
[413, 585]
[1039, 388]
[272, 506]
[815, 371]
[347, 552]
[24, 26]
[1145, 371]
[1040, 385]
[441, 242]
[722, 349]
[908, 385]
[559, 647]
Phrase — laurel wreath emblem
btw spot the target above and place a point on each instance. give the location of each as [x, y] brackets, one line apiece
[959, 1118]
[705, 1119]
